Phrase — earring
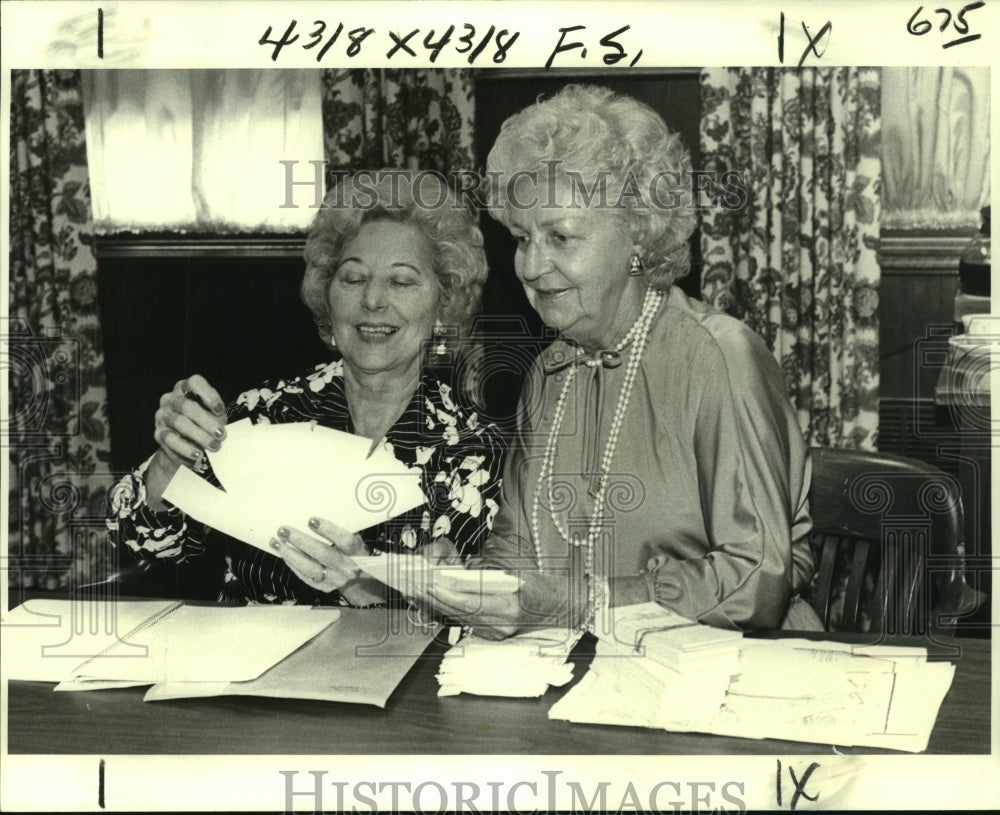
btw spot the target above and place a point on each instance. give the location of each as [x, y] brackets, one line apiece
[635, 266]
[440, 347]
[332, 340]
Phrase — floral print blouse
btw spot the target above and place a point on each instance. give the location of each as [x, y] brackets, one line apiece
[460, 457]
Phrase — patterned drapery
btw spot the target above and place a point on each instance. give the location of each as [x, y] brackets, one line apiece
[56, 433]
[416, 120]
[798, 261]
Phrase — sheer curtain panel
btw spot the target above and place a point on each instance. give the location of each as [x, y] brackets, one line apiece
[200, 150]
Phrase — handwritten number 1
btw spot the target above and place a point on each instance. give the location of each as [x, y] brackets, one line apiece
[100, 33]
[781, 59]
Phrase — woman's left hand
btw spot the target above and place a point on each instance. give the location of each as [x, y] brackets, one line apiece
[541, 601]
[328, 566]
[493, 616]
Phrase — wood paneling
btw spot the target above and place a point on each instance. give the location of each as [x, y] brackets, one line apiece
[916, 316]
[235, 320]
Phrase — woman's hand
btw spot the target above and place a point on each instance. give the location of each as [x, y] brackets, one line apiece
[493, 616]
[328, 566]
[190, 420]
[540, 602]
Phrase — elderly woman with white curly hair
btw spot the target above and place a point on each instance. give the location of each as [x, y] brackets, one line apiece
[392, 259]
[657, 456]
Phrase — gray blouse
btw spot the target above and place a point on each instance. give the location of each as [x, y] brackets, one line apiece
[708, 484]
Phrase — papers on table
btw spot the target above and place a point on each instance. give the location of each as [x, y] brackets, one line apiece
[283, 474]
[149, 642]
[413, 575]
[360, 658]
[294, 652]
[677, 666]
[44, 640]
[523, 665]
[210, 643]
[832, 693]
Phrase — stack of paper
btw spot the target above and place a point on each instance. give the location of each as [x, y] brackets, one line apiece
[670, 639]
[523, 665]
[820, 692]
[677, 666]
[283, 474]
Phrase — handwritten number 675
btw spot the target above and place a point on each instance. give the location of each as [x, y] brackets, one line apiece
[919, 27]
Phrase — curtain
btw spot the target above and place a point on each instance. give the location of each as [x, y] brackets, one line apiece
[416, 120]
[935, 146]
[798, 261]
[56, 433]
[207, 146]
[208, 143]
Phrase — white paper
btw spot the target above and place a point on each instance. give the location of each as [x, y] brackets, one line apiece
[784, 689]
[283, 475]
[212, 644]
[525, 665]
[44, 640]
[413, 575]
[361, 658]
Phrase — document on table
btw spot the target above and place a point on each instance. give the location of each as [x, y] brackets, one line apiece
[45, 639]
[283, 474]
[209, 643]
[654, 665]
[788, 689]
[95, 644]
[361, 658]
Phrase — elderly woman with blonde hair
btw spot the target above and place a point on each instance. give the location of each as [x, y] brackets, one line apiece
[392, 259]
[657, 456]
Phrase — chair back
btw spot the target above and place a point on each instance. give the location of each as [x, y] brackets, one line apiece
[888, 540]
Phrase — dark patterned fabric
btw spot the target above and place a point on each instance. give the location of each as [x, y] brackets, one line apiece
[460, 458]
[414, 119]
[797, 260]
[56, 433]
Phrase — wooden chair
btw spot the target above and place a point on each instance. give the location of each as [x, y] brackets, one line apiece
[888, 538]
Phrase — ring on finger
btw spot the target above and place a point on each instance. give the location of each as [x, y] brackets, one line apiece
[322, 576]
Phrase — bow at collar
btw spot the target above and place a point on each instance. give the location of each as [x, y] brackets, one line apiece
[559, 360]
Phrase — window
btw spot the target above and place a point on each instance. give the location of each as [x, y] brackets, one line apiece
[199, 150]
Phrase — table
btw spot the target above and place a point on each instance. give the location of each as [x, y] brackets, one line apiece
[418, 722]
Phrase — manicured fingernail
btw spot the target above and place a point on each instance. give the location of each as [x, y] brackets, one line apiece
[275, 544]
[219, 409]
[219, 432]
[314, 523]
[283, 532]
[196, 455]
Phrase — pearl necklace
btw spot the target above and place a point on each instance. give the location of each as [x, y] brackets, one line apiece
[639, 332]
